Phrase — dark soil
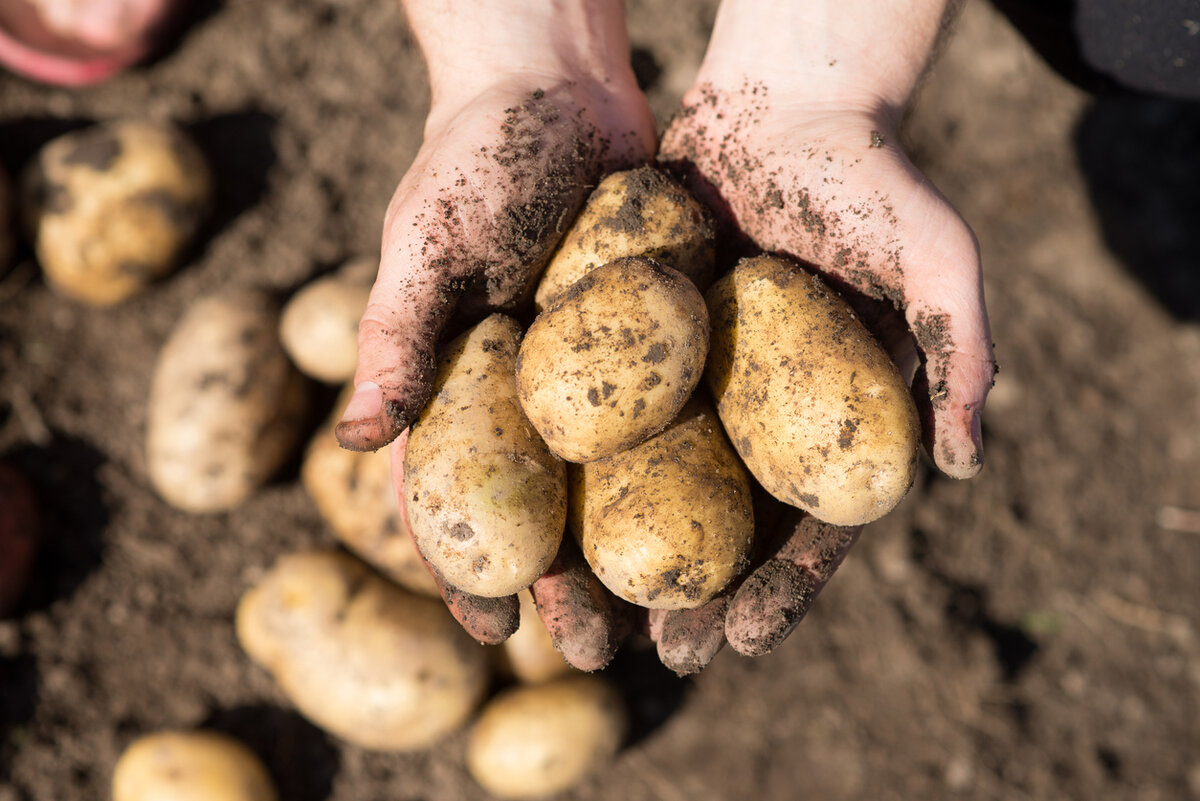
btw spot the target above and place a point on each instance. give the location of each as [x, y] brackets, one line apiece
[1027, 634]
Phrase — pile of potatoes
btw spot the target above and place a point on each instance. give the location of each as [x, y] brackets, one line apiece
[660, 403]
[634, 414]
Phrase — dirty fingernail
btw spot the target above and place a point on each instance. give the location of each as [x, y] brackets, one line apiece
[366, 403]
[977, 436]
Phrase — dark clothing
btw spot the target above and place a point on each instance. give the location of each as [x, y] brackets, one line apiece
[1147, 46]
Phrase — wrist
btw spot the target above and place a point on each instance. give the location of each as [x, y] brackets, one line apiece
[839, 54]
[470, 45]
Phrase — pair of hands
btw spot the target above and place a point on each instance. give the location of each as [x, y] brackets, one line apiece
[532, 105]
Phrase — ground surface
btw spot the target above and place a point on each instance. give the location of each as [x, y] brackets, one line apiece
[1028, 634]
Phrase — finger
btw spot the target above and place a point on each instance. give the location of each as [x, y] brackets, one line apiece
[490, 621]
[406, 310]
[586, 622]
[775, 597]
[945, 311]
[688, 639]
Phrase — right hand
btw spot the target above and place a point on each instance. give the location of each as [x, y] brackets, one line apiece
[532, 103]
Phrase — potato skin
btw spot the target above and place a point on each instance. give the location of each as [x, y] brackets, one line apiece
[190, 766]
[534, 741]
[375, 665]
[614, 360]
[485, 497]
[353, 491]
[113, 207]
[813, 404]
[669, 523]
[319, 325]
[18, 535]
[639, 212]
[226, 405]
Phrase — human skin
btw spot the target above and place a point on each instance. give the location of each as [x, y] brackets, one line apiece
[827, 183]
[79, 42]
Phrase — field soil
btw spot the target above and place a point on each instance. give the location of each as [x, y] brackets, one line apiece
[1029, 634]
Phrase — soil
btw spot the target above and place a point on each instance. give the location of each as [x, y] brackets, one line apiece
[1027, 634]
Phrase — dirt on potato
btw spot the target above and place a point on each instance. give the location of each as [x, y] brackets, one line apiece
[1030, 633]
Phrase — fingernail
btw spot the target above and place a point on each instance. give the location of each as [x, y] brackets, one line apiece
[366, 403]
[977, 436]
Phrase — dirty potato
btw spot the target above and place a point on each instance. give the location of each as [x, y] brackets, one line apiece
[639, 212]
[669, 523]
[226, 405]
[486, 500]
[533, 741]
[190, 766]
[614, 360]
[353, 491]
[18, 535]
[529, 654]
[319, 326]
[813, 404]
[377, 666]
[113, 207]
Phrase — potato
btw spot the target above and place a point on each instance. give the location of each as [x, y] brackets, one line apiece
[668, 524]
[319, 326]
[375, 665]
[639, 212]
[543, 739]
[614, 360]
[486, 500]
[226, 405]
[18, 536]
[529, 654]
[813, 404]
[353, 492]
[113, 207]
[190, 766]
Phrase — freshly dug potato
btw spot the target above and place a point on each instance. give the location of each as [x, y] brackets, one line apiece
[319, 326]
[18, 535]
[354, 493]
[813, 404]
[487, 501]
[113, 207]
[669, 523]
[190, 766]
[614, 360]
[529, 654]
[375, 665]
[640, 212]
[226, 405]
[542, 739]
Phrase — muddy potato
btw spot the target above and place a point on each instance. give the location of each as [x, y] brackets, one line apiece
[190, 766]
[353, 492]
[319, 326]
[113, 207]
[18, 535]
[226, 405]
[377, 666]
[486, 499]
[542, 739]
[813, 404]
[529, 654]
[640, 212]
[614, 360]
[669, 523]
